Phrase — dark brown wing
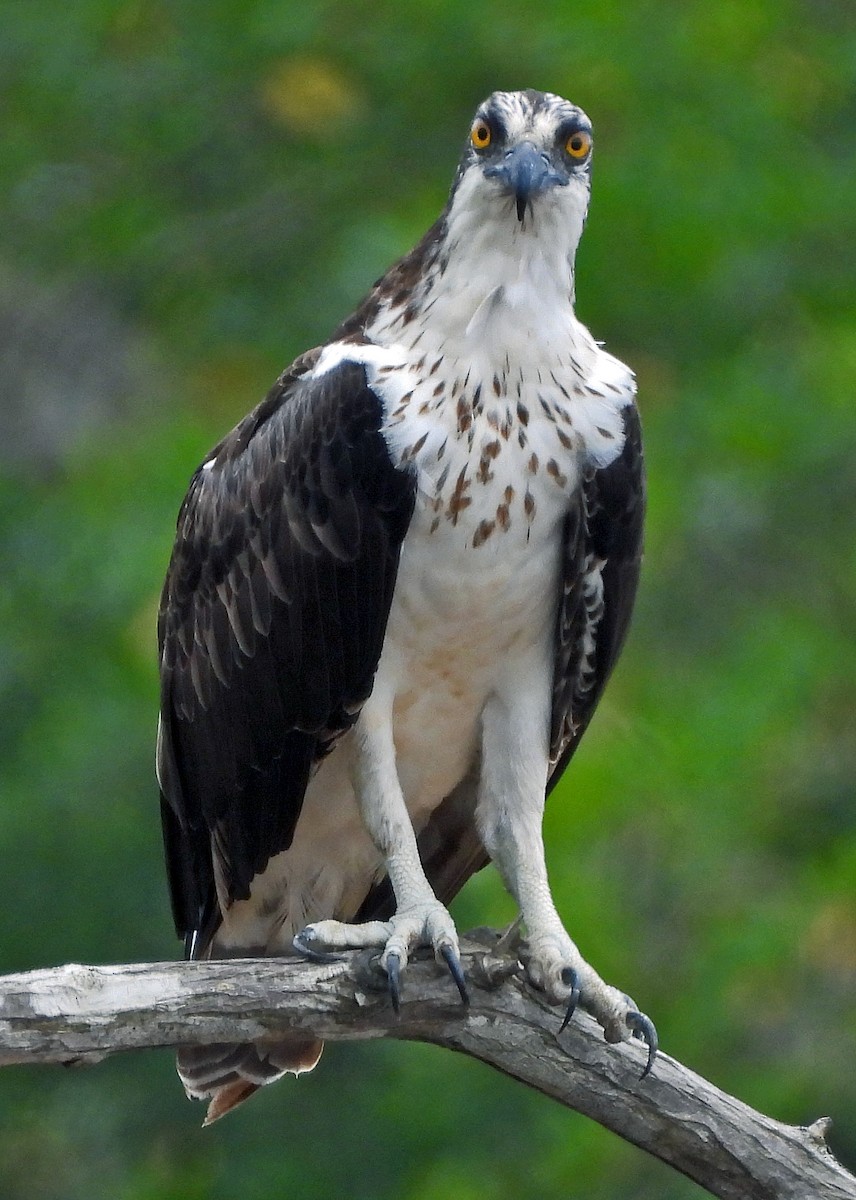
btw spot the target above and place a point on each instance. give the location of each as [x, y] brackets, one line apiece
[271, 625]
[602, 556]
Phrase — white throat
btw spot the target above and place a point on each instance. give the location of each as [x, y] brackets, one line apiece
[501, 290]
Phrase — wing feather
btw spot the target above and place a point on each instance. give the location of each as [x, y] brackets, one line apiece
[601, 560]
[271, 623]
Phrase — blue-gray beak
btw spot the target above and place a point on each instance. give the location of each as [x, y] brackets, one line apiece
[525, 172]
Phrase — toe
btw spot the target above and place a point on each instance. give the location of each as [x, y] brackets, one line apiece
[303, 944]
[453, 962]
[571, 979]
[643, 1028]
[393, 974]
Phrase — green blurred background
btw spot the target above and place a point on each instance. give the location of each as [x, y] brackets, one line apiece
[191, 194]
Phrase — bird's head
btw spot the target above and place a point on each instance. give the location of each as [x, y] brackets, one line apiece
[528, 154]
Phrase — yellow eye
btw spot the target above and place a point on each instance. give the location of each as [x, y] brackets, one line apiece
[480, 135]
[578, 144]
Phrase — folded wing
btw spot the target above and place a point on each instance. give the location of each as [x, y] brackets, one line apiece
[271, 625]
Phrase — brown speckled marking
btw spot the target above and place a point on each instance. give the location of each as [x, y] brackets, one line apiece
[435, 368]
[402, 405]
[458, 501]
[532, 465]
[484, 473]
[529, 505]
[555, 473]
[562, 389]
[522, 413]
[410, 453]
[439, 389]
[503, 518]
[465, 414]
[482, 533]
[497, 386]
[435, 525]
[548, 412]
[477, 398]
[492, 419]
[563, 438]
[605, 433]
[492, 449]
[521, 439]
[509, 494]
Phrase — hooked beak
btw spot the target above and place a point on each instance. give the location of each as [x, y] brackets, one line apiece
[525, 172]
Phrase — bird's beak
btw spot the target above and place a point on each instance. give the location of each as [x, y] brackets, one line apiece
[525, 172]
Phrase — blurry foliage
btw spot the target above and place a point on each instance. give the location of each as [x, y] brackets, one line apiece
[190, 195]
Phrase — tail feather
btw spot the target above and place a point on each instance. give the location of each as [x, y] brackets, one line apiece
[230, 1073]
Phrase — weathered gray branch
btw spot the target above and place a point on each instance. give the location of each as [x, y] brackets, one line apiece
[76, 1013]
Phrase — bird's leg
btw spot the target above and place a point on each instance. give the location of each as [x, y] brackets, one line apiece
[420, 919]
[509, 814]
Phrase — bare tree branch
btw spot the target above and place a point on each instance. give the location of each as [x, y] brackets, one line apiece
[80, 1013]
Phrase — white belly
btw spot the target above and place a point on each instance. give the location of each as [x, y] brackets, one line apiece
[459, 615]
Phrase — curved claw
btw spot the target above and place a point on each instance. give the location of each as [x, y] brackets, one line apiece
[572, 980]
[643, 1029]
[452, 961]
[301, 945]
[393, 974]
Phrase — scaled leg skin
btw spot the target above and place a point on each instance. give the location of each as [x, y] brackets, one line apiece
[420, 919]
[510, 812]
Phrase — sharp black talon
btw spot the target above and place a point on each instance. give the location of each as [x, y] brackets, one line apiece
[643, 1029]
[572, 980]
[393, 974]
[317, 956]
[456, 971]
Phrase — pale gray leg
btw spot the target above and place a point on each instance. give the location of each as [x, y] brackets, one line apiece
[510, 811]
[420, 919]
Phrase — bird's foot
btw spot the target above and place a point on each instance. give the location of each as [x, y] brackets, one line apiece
[426, 924]
[555, 966]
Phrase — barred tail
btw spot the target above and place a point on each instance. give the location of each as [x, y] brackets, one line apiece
[229, 1073]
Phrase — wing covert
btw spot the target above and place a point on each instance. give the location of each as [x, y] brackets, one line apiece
[601, 560]
[271, 624]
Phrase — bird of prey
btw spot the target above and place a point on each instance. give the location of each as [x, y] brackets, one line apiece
[397, 590]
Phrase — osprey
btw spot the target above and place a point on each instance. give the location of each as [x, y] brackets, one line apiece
[397, 590]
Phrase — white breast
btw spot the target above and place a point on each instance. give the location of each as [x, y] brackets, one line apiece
[498, 452]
